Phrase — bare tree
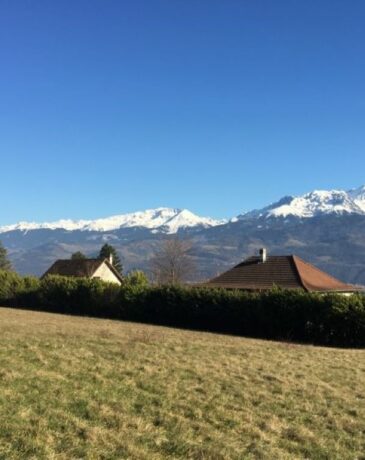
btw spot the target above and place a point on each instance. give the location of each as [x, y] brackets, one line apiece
[172, 264]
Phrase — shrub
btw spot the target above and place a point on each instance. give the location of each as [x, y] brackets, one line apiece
[81, 296]
[10, 286]
[136, 278]
[277, 314]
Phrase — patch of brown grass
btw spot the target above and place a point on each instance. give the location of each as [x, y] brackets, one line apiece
[86, 388]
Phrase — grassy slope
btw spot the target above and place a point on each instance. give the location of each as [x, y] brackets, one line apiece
[85, 388]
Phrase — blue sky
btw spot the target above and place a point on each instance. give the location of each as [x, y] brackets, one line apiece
[113, 106]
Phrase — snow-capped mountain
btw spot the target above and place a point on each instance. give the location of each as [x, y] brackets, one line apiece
[166, 220]
[318, 202]
[358, 196]
[172, 220]
[324, 227]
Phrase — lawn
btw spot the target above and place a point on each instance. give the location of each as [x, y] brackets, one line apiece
[74, 388]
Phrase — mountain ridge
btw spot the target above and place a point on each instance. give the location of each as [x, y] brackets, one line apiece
[168, 220]
[328, 231]
[172, 220]
[311, 204]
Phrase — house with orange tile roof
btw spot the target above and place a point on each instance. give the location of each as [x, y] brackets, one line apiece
[263, 272]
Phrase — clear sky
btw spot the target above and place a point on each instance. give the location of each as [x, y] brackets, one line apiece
[111, 106]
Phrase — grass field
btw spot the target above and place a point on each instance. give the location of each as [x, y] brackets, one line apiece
[86, 388]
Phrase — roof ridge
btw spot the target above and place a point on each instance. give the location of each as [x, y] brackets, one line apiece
[293, 257]
[79, 260]
[113, 269]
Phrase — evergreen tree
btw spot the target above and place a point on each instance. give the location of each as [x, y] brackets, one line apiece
[108, 250]
[78, 256]
[4, 261]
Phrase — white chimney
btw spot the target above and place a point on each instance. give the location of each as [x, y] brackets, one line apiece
[111, 259]
[263, 255]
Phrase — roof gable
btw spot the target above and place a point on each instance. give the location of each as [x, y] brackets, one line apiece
[113, 270]
[85, 268]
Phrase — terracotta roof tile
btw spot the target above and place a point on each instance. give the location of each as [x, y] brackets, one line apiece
[314, 279]
[287, 272]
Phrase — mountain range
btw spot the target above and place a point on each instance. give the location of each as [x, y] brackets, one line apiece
[324, 227]
[166, 220]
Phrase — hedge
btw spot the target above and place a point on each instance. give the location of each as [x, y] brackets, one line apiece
[330, 319]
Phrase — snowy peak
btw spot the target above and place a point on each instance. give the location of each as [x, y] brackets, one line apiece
[358, 197]
[166, 220]
[184, 218]
[316, 203]
[286, 200]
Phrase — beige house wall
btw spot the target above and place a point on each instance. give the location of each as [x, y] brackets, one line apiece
[104, 273]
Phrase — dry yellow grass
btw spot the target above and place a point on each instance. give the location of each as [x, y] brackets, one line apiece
[85, 388]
